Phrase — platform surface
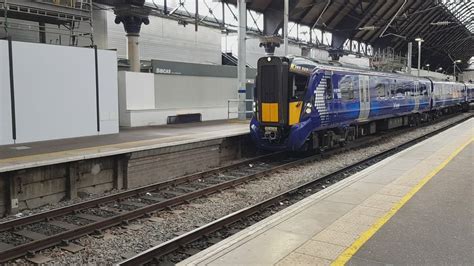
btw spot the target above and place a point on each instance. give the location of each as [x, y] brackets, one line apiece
[435, 227]
[26, 155]
[412, 208]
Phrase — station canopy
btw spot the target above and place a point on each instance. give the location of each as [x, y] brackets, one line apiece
[446, 26]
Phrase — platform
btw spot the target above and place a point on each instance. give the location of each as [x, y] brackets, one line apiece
[40, 173]
[412, 208]
[27, 155]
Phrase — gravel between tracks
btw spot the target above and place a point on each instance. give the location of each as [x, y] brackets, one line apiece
[120, 242]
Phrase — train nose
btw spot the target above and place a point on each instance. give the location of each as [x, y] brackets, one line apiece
[271, 135]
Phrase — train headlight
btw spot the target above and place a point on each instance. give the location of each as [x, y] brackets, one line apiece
[309, 105]
[254, 106]
[308, 111]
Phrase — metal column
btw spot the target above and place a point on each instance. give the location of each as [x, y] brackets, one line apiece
[409, 55]
[285, 25]
[454, 71]
[241, 72]
[419, 57]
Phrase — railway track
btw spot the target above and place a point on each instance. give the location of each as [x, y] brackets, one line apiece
[186, 245]
[59, 226]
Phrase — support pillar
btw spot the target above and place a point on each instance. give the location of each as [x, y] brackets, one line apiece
[121, 172]
[133, 52]
[71, 188]
[285, 25]
[12, 202]
[269, 43]
[42, 32]
[419, 58]
[132, 18]
[409, 56]
[242, 59]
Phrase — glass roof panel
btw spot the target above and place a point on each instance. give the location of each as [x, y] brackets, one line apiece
[463, 11]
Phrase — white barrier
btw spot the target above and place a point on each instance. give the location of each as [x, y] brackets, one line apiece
[55, 93]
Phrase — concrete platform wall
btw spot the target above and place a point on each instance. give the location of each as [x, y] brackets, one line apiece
[34, 187]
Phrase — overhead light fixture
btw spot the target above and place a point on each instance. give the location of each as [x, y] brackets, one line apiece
[369, 28]
[441, 23]
[427, 65]
[457, 61]
[419, 39]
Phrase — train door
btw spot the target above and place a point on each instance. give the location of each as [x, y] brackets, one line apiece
[416, 96]
[364, 96]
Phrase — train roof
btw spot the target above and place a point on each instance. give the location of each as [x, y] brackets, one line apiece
[304, 65]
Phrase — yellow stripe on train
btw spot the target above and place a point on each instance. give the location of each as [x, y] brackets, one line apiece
[295, 112]
[270, 112]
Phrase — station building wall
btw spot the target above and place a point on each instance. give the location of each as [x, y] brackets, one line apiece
[189, 95]
[165, 39]
[177, 88]
[467, 75]
[55, 92]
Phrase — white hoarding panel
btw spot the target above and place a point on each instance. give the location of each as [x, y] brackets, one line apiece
[108, 93]
[5, 107]
[54, 91]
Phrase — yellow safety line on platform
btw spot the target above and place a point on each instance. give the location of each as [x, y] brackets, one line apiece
[364, 237]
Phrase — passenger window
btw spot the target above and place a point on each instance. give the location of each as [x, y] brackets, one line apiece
[393, 90]
[329, 89]
[423, 90]
[414, 90]
[380, 88]
[346, 87]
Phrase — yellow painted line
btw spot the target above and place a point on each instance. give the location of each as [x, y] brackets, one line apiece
[364, 237]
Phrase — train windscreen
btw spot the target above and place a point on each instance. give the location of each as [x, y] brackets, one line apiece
[268, 79]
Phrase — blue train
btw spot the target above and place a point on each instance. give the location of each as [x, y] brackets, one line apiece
[301, 104]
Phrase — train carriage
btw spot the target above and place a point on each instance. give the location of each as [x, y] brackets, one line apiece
[448, 94]
[469, 92]
[301, 104]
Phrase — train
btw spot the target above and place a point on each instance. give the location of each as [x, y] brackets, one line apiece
[302, 104]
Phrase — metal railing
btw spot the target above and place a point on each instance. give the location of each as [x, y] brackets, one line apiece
[238, 112]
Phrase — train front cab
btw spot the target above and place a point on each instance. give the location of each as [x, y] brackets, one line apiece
[278, 102]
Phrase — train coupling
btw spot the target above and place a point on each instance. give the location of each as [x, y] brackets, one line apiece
[271, 133]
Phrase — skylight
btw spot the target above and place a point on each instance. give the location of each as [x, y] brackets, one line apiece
[463, 10]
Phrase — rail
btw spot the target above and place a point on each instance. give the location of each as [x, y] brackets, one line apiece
[132, 204]
[206, 233]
